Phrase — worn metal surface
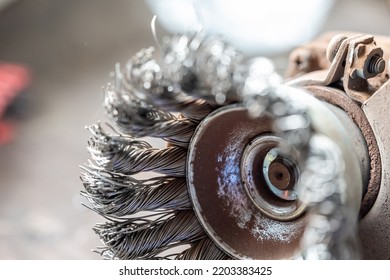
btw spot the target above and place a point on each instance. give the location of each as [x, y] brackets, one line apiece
[375, 226]
[313, 55]
[354, 60]
[362, 136]
[218, 191]
[351, 82]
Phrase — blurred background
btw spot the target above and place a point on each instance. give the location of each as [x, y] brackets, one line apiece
[55, 56]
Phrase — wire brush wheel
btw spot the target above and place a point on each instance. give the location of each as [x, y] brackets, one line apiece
[226, 179]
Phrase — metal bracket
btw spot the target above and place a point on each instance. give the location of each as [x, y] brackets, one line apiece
[354, 60]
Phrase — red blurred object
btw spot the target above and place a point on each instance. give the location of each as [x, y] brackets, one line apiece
[7, 132]
[14, 79]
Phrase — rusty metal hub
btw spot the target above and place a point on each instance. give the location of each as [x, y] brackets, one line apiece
[242, 186]
[272, 189]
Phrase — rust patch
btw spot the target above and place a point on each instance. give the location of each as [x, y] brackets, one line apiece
[340, 99]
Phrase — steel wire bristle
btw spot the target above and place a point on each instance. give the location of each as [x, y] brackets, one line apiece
[204, 249]
[139, 118]
[145, 75]
[202, 66]
[117, 196]
[129, 156]
[135, 243]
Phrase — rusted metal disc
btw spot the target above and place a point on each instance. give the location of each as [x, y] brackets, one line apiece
[228, 187]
